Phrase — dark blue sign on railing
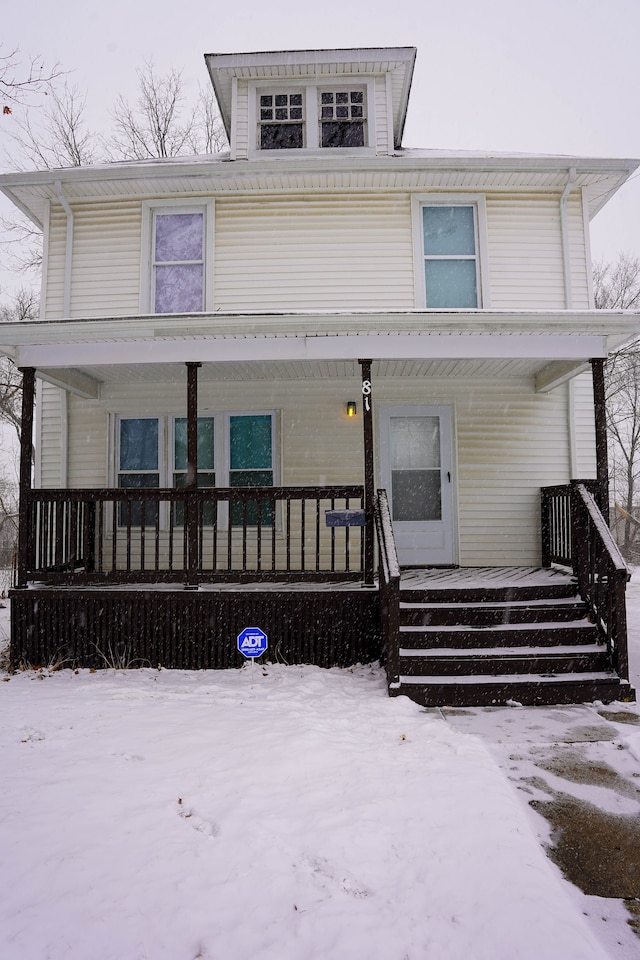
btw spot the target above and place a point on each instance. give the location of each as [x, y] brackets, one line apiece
[252, 642]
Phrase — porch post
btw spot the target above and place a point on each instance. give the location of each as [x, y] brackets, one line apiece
[369, 492]
[602, 461]
[191, 481]
[26, 459]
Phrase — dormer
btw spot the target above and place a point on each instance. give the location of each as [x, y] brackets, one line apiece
[301, 103]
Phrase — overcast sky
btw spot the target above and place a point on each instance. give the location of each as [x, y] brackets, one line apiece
[533, 76]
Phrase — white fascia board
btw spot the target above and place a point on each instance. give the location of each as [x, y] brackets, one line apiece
[221, 165]
[345, 347]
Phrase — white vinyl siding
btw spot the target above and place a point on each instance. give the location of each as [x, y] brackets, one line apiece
[383, 117]
[510, 442]
[240, 121]
[50, 453]
[525, 252]
[330, 252]
[584, 427]
[105, 277]
[317, 251]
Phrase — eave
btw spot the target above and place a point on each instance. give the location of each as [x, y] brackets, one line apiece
[549, 346]
[405, 171]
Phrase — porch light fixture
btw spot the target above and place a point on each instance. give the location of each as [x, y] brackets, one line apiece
[351, 408]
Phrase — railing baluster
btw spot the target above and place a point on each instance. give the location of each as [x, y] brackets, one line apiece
[71, 530]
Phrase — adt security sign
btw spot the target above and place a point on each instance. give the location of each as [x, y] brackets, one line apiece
[252, 642]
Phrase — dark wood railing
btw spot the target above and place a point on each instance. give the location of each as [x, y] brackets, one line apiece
[389, 584]
[163, 535]
[575, 534]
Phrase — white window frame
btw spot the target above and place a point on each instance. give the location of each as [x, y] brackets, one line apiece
[312, 89]
[187, 205]
[166, 451]
[478, 202]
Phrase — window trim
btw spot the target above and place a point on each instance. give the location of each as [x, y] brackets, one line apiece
[166, 450]
[312, 87]
[478, 202]
[184, 205]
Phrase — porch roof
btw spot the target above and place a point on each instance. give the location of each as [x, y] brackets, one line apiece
[551, 346]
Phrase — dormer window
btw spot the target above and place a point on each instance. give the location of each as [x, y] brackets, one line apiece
[312, 117]
[281, 120]
[342, 118]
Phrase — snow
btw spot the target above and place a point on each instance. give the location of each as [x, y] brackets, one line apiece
[284, 812]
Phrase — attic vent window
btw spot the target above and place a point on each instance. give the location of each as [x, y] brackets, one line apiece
[281, 121]
[342, 118]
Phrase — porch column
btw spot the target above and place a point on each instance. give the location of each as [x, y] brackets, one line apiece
[26, 460]
[369, 491]
[191, 480]
[602, 456]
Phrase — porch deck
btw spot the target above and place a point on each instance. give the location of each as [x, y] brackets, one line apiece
[329, 623]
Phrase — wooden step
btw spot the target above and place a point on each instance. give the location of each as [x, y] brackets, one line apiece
[526, 689]
[505, 635]
[487, 593]
[497, 661]
[491, 614]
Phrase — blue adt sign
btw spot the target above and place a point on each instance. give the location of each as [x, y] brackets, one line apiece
[252, 642]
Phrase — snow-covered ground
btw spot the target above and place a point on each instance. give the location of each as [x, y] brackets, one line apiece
[289, 813]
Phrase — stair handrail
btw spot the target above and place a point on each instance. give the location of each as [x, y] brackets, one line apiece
[389, 584]
[602, 575]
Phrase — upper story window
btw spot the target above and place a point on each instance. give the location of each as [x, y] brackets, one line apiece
[342, 118]
[281, 120]
[450, 241]
[333, 116]
[177, 261]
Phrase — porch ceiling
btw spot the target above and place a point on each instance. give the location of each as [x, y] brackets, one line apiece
[129, 373]
[551, 346]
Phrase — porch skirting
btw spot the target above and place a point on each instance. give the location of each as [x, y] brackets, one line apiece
[183, 629]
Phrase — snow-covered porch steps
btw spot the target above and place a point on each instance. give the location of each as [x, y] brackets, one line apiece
[498, 639]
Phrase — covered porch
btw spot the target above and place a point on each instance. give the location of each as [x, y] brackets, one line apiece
[168, 574]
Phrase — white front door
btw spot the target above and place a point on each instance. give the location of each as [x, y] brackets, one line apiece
[416, 466]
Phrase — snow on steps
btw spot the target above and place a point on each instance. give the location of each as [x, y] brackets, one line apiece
[526, 645]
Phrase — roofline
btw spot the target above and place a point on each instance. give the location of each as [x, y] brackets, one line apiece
[311, 55]
[207, 166]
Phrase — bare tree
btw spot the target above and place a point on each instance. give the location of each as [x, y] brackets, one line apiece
[23, 307]
[57, 135]
[160, 123]
[623, 423]
[19, 78]
[617, 287]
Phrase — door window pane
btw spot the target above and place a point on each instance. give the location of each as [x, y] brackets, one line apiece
[415, 442]
[415, 468]
[416, 494]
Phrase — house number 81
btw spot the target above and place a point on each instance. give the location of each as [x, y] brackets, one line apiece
[366, 393]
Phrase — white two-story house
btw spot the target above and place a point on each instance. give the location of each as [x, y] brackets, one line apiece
[326, 386]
